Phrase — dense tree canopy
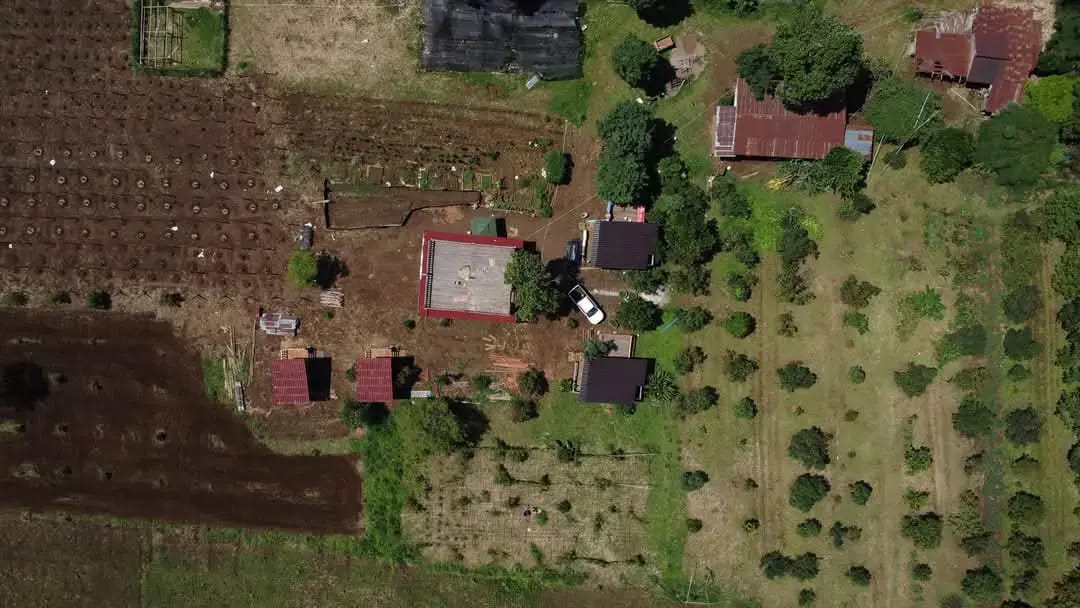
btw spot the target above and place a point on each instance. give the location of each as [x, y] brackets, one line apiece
[817, 57]
[915, 378]
[1061, 214]
[982, 584]
[638, 314]
[1016, 145]
[810, 447]
[946, 153]
[1026, 508]
[807, 490]
[901, 111]
[1062, 53]
[1021, 303]
[636, 61]
[1020, 344]
[1066, 278]
[626, 133]
[756, 66]
[972, 418]
[795, 375]
[1023, 426]
[1052, 96]
[534, 291]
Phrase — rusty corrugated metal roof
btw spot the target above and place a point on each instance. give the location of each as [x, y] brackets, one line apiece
[950, 54]
[1022, 37]
[765, 128]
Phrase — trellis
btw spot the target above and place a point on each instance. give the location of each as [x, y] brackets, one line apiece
[161, 39]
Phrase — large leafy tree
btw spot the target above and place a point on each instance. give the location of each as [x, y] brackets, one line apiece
[1016, 145]
[902, 111]
[817, 57]
[757, 68]
[946, 153]
[1062, 215]
[428, 428]
[635, 61]
[810, 447]
[1062, 54]
[638, 314]
[534, 290]
[627, 135]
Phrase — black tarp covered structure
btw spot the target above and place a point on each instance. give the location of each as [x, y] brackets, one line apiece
[533, 36]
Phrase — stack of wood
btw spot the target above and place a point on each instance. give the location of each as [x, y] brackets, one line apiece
[334, 298]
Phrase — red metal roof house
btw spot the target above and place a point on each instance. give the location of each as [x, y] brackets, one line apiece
[765, 128]
[289, 380]
[374, 380]
[999, 50]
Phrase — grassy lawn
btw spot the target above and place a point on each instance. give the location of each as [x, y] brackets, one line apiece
[204, 39]
[663, 343]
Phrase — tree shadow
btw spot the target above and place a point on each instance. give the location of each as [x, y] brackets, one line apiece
[22, 385]
[565, 274]
[318, 377]
[405, 375]
[655, 85]
[667, 13]
[473, 421]
[860, 90]
[328, 270]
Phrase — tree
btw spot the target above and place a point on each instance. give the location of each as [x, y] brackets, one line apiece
[694, 480]
[428, 428]
[1066, 591]
[1052, 96]
[921, 572]
[1020, 344]
[739, 367]
[356, 414]
[627, 135]
[817, 57]
[99, 300]
[856, 293]
[746, 408]
[810, 447]
[807, 490]
[787, 328]
[662, 386]
[740, 286]
[1062, 54]
[594, 349]
[982, 584]
[728, 200]
[649, 280]
[620, 177]
[534, 290]
[756, 66]
[804, 567]
[859, 575]
[795, 375]
[740, 324]
[902, 111]
[1021, 303]
[807, 597]
[1026, 508]
[860, 492]
[636, 61]
[1027, 551]
[1016, 145]
[699, 399]
[972, 419]
[532, 383]
[556, 163]
[924, 529]
[303, 268]
[808, 528]
[946, 153]
[1061, 215]
[1023, 426]
[638, 314]
[693, 319]
[1066, 278]
[688, 238]
[856, 374]
[841, 172]
[775, 564]
[914, 380]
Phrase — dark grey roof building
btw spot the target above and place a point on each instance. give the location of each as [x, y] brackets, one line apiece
[622, 245]
[535, 36]
[618, 380]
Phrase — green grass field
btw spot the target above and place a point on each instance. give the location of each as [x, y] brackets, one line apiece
[204, 39]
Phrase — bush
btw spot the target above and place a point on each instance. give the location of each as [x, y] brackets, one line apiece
[693, 525]
[787, 327]
[693, 319]
[739, 367]
[594, 349]
[688, 358]
[924, 529]
[1020, 344]
[810, 447]
[807, 490]
[694, 480]
[60, 297]
[804, 567]
[303, 268]
[916, 499]
[635, 61]
[947, 152]
[99, 300]
[841, 533]
[740, 286]
[534, 291]
[808, 528]
[895, 106]
[856, 293]
[917, 458]
[858, 204]
[775, 564]
[795, 375]
[409, 324]
[982, 584]
[523, 410]
[751, 524]
[856, 374]
[638, 314]
[1023, 426]
[914, 380]
[807, 597]
[972, 419]
[556, 163]
[859, 575]
[1021, 303]
[532, 382]
[857, 320]
[564, 506]
[740, 324]
[15, 298]
[921, 572]
[746, 408]
[699, 399]
[1026, 508]
[860, 492]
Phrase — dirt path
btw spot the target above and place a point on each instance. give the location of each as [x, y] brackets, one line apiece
[768, 470]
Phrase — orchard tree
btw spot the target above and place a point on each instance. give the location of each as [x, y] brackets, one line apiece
[1023, 426]
[693, 319]
[1021, 303]
[636, 62]
[738, 367]
[795, 375]
[746, 408]
[924, 529]
[856, 293]
[810, 447]
[699, 399]
[807, 490]
[775, 564]
[740, 324]
[946, 153]
[638, 314]
[804, 567]
[859, 575]
[756, 66]
[534, 290]
[982, 584]
[1016, 145]
[1020, 344]
[972, 419]
[860, 492]
[901, 111]
[1026, 508]
[915, 378]
[817, 57]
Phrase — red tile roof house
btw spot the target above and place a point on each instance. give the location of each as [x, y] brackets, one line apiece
[764, 128]
[374, 380]
[461, 277]
[999, 50]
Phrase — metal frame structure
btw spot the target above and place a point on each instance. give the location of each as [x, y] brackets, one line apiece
[161, 35]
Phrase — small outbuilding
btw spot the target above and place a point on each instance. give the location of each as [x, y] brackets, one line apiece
[622, 245]
[279, 323]
[374, 380]
[300, 381]
[619, 380]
